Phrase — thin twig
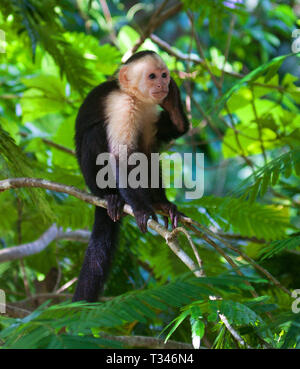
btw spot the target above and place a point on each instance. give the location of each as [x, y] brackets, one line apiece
[16, 312]
[109, 21]
[53, 144]
[189, 238]
[189, 222]
[258, 126]
[201, 53]
[227, 47]
[66, 285]
[155, 21]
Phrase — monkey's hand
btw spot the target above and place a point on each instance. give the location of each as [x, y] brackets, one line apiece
[142, 217]
[171, 210]
[171, 104]
[115, 204]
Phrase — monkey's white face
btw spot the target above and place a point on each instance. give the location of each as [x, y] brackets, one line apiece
[156, 81]
[147, 79]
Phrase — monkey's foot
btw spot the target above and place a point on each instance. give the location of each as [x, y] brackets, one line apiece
[115, 204]
[171, 210]
[142, 217]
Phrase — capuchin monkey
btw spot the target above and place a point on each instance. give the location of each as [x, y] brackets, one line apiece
[125, 111]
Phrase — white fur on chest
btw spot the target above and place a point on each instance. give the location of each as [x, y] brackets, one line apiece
[128, 120]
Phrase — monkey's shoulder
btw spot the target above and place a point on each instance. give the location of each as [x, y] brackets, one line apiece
[100, 92]
[92, 109]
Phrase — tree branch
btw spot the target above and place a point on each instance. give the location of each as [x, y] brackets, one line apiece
[53, 231]
[155, 21]
[187, 57]
[51, 234]
[18, 252]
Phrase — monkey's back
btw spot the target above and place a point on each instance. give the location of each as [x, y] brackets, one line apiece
[90, 132]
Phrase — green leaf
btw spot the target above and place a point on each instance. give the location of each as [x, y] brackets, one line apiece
[177, 323]
[254, 191]
[198, 328]
[272, 70]
[275, 176]
[43, 90]
[265, 183]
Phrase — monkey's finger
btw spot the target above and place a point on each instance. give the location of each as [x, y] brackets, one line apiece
[142, 222]
[109, 213]
[110, 207]
[175, 216]
[145, 221]
[166, 222]
[176, 221]
[115, 213]
[141, 227]
[120, 212]
[172, 216]
[119, 209]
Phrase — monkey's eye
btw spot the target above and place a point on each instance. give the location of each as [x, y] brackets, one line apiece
[164, 75]
[152, 76]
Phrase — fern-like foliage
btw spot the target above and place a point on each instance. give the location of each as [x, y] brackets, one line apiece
[41, 328]
[215, 11]
[245, 217]
[41, 22]
[13, 160]
[235, 312]
[292, 338]
[276, 247]
[14, 163]
[269, 175]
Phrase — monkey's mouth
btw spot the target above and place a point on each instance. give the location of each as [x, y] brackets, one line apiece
[160, 93]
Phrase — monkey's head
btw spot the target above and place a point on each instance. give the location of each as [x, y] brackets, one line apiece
[146, 77]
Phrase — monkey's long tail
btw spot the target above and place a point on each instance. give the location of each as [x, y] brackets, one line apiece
[98, 257]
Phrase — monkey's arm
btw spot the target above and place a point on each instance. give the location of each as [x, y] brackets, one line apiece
[89, 144]
[161, 203]
[172, 122]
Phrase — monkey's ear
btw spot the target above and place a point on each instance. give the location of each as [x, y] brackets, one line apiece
[123, 78]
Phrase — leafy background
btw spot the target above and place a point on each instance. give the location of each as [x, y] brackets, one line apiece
[239, 81]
